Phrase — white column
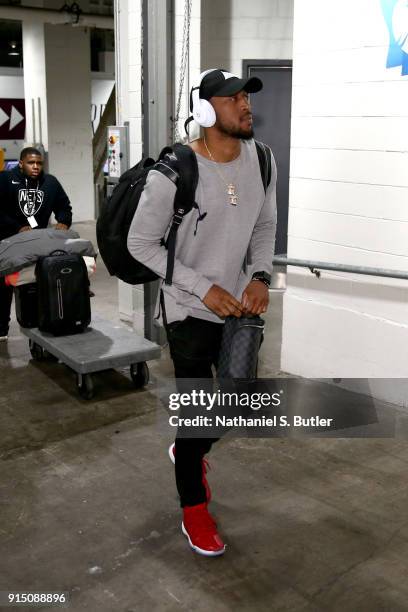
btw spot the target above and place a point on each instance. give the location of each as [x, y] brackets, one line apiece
[122, 60]
[35, 89]
[67, 54]
[57, 88]
[128, 44]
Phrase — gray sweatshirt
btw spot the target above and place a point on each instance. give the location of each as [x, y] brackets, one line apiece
[225, 248]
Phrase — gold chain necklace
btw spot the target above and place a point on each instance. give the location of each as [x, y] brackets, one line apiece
[231, 188]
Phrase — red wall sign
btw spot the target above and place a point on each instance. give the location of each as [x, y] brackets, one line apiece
[12, 118]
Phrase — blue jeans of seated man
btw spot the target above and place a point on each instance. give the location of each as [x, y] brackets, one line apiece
[6, 296]
[194, 348]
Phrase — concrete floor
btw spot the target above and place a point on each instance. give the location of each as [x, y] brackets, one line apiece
[88, 502]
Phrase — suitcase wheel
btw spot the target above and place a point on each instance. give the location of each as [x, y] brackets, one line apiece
[139, 373]
[37, 351]
[85, 386]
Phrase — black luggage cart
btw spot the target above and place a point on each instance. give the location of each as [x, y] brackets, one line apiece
[102, 346]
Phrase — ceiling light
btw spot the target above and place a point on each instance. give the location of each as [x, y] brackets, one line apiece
[13, 49]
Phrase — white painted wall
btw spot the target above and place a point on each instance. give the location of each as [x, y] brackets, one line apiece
[68, 97]
[234, 30]
[348, 196]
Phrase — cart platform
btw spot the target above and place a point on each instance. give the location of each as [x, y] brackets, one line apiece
[102, 346]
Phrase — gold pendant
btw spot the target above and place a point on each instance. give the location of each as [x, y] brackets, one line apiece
[233, 198]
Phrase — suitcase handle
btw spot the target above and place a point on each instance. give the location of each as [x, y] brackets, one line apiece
[58, 252]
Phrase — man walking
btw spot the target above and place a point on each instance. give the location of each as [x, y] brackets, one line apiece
[27, 199]
[222, 266]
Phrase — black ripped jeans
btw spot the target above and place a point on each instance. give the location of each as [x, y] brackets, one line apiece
[194, 348]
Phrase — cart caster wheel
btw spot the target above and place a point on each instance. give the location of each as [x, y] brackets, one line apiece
[140, 374]
[37, 352]
[85, 386]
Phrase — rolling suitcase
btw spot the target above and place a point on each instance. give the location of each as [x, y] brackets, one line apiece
[63, 294]
[241, 340]
[26, 298]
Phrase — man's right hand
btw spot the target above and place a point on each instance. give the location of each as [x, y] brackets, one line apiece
[222, 303]
[25, 228]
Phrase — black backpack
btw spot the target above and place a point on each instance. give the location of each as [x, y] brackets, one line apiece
[179, 164]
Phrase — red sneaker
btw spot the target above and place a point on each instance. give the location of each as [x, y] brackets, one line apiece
[205, 464]
[201, 531]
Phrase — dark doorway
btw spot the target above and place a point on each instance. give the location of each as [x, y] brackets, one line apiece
[272, 113]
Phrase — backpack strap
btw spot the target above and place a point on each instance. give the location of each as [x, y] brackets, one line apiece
[165, 165]
[185, 161]
[188, 170]
[265, 162]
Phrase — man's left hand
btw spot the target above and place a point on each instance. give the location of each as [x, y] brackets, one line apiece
[61, 226]
[255, 298]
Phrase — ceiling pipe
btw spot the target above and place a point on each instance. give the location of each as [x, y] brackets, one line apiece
[54, 17]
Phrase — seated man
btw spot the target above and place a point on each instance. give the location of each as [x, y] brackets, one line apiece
[28, 196]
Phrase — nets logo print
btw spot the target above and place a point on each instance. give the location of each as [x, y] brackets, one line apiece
[30, 201]
[396, 17]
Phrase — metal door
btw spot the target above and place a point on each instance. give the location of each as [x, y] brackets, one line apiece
[272, 113]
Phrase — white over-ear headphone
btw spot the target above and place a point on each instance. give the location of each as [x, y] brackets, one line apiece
[202, 110]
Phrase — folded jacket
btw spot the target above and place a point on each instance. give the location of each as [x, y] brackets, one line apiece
[27, 275]
[23, 250]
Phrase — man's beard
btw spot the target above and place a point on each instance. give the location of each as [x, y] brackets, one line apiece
[235, 132]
